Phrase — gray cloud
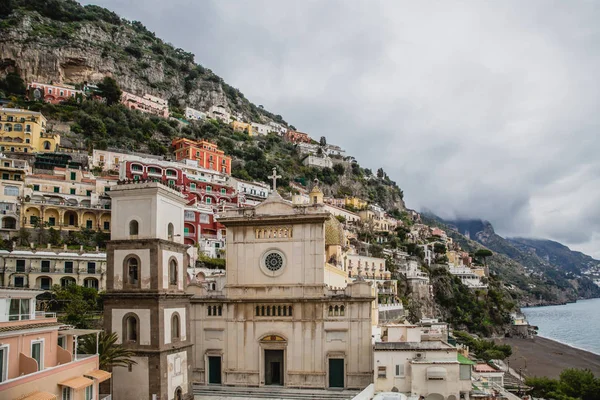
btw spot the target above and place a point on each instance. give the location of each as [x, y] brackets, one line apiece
[476, 109]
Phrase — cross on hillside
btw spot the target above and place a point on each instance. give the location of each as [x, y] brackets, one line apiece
[275, 177]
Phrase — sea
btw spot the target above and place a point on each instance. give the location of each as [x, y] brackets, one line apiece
[574, 324]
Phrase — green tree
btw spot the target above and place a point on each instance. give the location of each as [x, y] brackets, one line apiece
[323, 141]
[13, 84]
[380, 173]
[541, 386]
[111, 353]
[483, 254]
[339, 169]
[76, 304]
[110, 90]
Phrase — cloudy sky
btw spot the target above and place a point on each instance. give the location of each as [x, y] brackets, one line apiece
[477, 109]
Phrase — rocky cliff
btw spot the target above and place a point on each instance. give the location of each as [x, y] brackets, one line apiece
[62, 41]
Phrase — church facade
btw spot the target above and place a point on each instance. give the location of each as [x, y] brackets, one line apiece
[285, 316]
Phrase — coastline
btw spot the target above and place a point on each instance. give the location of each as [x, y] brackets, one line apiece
[546, 357]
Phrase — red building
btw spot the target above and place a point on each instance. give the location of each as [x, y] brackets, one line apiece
[297, 137]
[207, 154]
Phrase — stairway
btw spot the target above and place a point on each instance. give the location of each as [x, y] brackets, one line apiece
[269, 392]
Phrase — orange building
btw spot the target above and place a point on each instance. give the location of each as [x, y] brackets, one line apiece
[297, 137]
[207, 154]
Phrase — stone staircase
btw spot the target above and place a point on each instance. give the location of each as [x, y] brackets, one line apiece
[269, 392]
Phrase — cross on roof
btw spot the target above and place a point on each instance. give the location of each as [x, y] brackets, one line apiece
[275, 177]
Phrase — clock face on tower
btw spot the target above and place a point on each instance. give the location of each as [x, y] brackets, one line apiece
[272, 262]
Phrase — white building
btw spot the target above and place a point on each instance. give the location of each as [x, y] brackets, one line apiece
[321, 162]
[192, 114]
[260, 129]
[307, 148]
[219, 113]
[333, 150]
[111, 160]
[468, 277]
[350, 217]
[13, 172]
[253, 192]
[278, 128]
[404, 363]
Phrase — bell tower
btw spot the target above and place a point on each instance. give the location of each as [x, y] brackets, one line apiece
[145, 303]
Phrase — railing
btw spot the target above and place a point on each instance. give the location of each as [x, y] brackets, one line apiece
[386, 307]
[44, 314]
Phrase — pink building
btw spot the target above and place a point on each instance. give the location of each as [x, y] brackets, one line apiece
[147, 104]
[54, 94]
[38, 355]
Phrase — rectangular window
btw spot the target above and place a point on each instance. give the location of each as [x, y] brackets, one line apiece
[73, 176]
[88, 224]
[209, 189]
[381, 372]
[45, 265]
[91, 268]
[68, 267]
[192, 186]
[37, 353]
[56, 189]
[72, 190]
[62, 342]
[106, 189]
[66, 393]
[19, 281]
[20, 265]
[88, 193]
[106, 225]
[3, 363]
[89, 392]
[223, 191]
[5, 176]
[399, 370]
[36, 188]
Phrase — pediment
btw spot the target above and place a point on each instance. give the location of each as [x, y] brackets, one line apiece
[274, 205]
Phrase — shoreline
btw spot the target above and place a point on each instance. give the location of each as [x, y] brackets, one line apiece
[547, 357]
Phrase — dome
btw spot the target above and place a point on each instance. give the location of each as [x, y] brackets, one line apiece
[334, 232]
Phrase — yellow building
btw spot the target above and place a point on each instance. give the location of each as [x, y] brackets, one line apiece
[356, 203]
[23, 131]
[242, 127]
[67, 199]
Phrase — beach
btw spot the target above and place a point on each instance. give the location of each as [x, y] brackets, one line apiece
[545, 357]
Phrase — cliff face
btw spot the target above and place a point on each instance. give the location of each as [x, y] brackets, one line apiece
[46, 50]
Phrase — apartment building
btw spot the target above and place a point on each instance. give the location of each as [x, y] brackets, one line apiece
[147, 104]
[12, 176]
[41, 269]
[39, 357]
[52, 93]
[207, 154]
[24, 131]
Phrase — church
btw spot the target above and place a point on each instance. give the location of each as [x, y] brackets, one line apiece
[284, 315]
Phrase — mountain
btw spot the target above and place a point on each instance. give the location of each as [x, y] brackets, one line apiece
[556, 254]
[63, 41]
[558, 270]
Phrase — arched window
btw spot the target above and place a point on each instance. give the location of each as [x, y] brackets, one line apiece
[175, 328]
[18, 128]
[133, 272]
[170, 231]
[173, 272]
[342, 310]
[47, 145]
[133, 227]
[331, 311]
[131, 329]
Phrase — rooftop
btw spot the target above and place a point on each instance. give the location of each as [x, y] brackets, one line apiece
[412, 346]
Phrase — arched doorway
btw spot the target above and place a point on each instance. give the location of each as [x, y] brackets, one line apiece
[9, 223]
[178, 394]
[273, 347]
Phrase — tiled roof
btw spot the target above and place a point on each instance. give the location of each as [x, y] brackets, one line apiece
[29, 326]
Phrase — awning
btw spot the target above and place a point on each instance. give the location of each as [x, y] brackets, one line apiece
[77, 383]
[464, 360]
[40, 396]
[436, 373]
[99, 375]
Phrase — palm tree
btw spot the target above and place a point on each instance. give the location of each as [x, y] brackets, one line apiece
[111, 353]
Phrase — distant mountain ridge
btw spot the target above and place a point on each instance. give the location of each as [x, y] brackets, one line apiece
[556, 254]
[552, 271]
